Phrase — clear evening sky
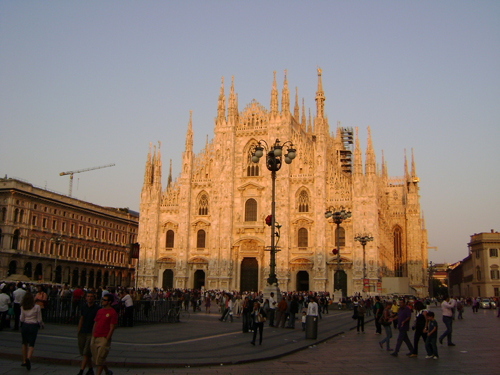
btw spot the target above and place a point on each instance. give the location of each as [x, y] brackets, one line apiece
[89, 83]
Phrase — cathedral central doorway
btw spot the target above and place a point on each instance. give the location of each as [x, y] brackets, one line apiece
[341, 282]
[302, 284]
[249, 280]
[168, 279]
[199, 279]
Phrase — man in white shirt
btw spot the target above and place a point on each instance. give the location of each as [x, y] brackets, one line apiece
[272, 309]
[129, 309]
[18, 295]
[312, 308]
[447, 307]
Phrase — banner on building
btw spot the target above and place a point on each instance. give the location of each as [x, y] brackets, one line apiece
[134, 253]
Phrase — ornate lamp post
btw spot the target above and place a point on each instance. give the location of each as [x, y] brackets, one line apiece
[274, 155]
[363, 238]
[338, 216]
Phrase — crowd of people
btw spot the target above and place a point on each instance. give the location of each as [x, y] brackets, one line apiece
[98, 311]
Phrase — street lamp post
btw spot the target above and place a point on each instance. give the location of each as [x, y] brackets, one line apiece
[57, 241]
[338, 216]
[432, 268]
[274, 155]
[363, 238]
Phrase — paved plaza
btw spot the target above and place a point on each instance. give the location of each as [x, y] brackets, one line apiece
[203, 345]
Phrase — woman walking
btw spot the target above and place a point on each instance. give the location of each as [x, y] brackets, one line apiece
[258, 317]
[31, 319]
[385, 321]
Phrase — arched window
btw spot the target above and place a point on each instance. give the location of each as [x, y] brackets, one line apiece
[4, 214]
[251, 210]
[203, 205]
[21, 215]
[170, 239]
[15, 239]
[200, 239]
[398, 253]
[303, 202]
[16, 215]
[341, 237]
[303, 237]
[252, 168]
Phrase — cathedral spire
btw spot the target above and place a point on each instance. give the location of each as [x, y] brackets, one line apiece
[169, 181]
[296, 113]
[320, 97]
[274, 99]
[157, 167]
[303, 120]
[406, 169]
[221, 107]
[285, 98]
[370, 156]
[413, 174]
[358, 163]
[148, 170]
[189, 133]
[309, 126]
[384, 169]
[231, 106]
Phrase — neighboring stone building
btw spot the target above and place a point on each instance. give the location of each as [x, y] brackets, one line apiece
[207, 227]
[478, 275]
[51, 237]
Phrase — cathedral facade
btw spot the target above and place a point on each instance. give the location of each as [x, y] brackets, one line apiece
[207, 227]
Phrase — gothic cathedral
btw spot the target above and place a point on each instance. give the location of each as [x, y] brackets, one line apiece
[207, 229]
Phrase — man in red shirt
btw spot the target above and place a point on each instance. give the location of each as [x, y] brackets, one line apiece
[104, 326]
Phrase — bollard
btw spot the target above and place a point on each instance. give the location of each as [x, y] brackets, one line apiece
[312, 327]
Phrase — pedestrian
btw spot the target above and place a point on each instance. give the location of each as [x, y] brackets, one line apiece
[385, 321]
[420, 324]
[247, 310]
[432, 333]
[129, 309]
[460, 309]
[18, 297]
[304, 319]
[230, 304]
[404, 316]
[394, 309]
[377, 312]
[85, 325]
[447, 307]
[207, 304]
[31, 319]
[104, 326]
[259, 317]
[361, 316]
[312, 308]
[280, 313]
[294, 309]
[41, 298]
[272, 309]
[5, 302]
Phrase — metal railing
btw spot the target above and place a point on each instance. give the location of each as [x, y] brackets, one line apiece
[62, 310]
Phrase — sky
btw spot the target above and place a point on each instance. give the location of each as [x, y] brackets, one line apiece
[90, 83]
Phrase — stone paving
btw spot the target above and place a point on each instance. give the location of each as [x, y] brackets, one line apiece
[477, 338]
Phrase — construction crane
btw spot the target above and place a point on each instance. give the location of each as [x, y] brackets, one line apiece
[71, 173]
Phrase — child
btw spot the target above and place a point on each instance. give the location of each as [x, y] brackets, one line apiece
[303, 321]
[430, 342]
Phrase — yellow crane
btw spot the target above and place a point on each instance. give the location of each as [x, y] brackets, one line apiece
[71, 173]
